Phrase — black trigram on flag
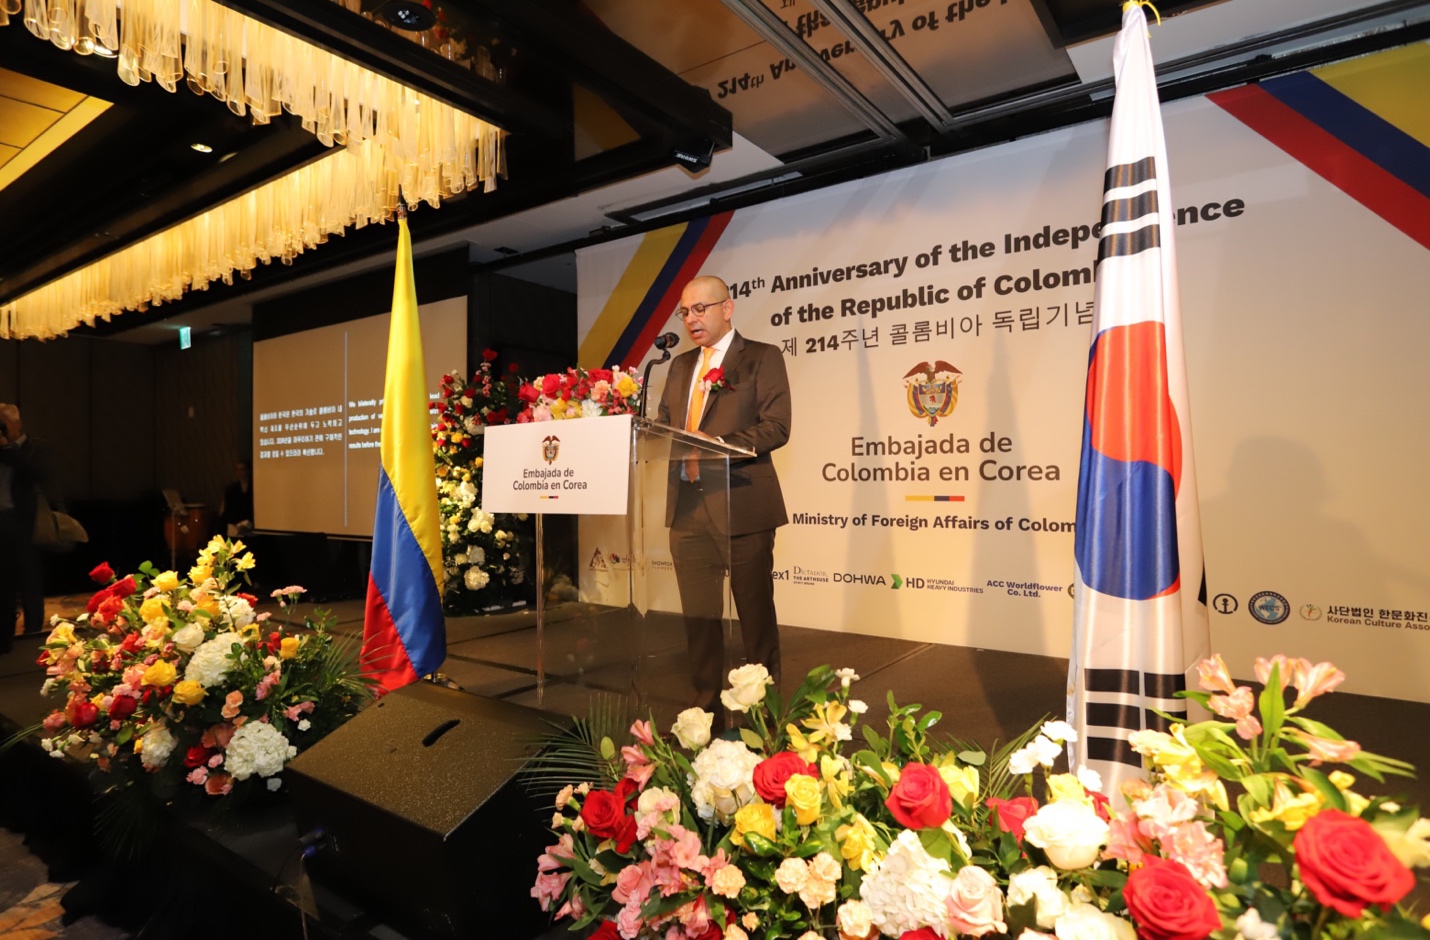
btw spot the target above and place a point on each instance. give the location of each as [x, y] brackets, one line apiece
[1130, 208]
[1114, 699]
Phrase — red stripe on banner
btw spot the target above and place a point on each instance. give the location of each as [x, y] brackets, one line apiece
[1359, 177]
[384, 656]
[698, 256]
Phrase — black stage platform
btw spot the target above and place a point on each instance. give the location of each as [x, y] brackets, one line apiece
[985, 695]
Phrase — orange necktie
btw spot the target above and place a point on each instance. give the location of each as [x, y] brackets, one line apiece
[697, 406]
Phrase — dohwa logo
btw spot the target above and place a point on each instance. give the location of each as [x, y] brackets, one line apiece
[932, 390]
[550, 447]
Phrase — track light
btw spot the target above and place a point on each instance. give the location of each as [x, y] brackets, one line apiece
[410, 15]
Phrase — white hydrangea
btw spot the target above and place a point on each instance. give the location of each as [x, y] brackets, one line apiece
[908, 888]
[475, 579]
[257, 748]
[210, 663]
[723, 780]
[157, 745]
[465, 493]
[236, 611]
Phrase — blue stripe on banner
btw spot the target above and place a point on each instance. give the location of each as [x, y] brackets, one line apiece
[1126, 537]
[658, 289]
[1356, 126]
[401, 574]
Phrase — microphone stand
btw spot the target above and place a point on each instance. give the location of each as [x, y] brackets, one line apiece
[645, 380]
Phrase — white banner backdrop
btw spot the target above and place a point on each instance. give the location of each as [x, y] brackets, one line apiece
[951, 520]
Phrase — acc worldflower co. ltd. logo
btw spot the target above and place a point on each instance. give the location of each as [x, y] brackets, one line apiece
[932, 390]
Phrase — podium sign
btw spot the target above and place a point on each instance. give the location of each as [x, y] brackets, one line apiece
[574, 467]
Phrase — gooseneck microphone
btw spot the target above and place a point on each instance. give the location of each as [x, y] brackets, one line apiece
[664, 342]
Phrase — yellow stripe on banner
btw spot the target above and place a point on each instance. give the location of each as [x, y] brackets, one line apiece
[406, 433]
[1394, 84]
[654, 251]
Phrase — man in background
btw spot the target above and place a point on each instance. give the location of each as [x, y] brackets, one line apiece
[736, 391]
[24, 472]
[236, 512]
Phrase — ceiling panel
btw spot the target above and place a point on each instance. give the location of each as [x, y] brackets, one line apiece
[21, 122]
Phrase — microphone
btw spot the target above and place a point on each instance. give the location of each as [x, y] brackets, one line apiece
[663, 342]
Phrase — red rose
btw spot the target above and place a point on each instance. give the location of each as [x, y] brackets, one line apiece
[497, 417]
[109, 608]
[923, 933]
[103, 574]
[122, 707]
[550, 385]
[446, 379]
[626, 789]
[196, 756]
[125, 587]
[1347, 865]
[1166, 903]
[715, 376]
[920, 800]
[607, 931]
[489, 354]
[81, 713]
[1013, 813]
[601, 375]
[604, 813]
[99, 598]
[131, 643]
[771, 774]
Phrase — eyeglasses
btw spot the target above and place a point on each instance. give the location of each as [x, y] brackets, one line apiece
[697, 309]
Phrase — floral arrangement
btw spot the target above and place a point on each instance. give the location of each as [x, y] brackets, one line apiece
[181, 681]
[487, 558]
[782, 834]
[579, 393]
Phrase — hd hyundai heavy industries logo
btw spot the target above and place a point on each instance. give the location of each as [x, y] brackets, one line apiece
[932, 390]
[550, 447]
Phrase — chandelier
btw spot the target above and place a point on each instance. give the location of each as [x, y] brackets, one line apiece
[398, 142]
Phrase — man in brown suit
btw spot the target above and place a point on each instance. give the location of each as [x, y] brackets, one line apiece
[747, 404]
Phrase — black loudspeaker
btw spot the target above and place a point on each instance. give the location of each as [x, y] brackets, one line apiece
[425, 821]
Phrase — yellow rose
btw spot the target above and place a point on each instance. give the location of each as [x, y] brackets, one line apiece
[152, 610]
[167, 581]
[626, 385]
[189, 692]
[1066, 788]
[758, 818]
[802, 795]
[856, 843]
[207, 604]
[198, 574]
[962, 783]
[288, 648]
[162, 673]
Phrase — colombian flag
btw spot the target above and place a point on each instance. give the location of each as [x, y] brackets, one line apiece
[404, 635]
[1139, 605]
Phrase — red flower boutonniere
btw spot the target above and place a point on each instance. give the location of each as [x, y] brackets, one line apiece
[715, 379]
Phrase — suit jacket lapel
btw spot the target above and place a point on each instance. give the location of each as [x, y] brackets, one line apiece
[727, 368]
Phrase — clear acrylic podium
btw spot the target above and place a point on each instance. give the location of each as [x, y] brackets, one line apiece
[609, 615]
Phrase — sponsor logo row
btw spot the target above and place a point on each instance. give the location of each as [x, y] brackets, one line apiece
[1272, 608]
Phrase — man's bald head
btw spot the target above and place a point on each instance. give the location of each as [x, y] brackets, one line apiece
[705, 309]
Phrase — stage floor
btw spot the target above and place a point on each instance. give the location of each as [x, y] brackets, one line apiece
[984, 695]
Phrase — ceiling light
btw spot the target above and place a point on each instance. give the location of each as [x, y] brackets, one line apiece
[100, 49]
[201, 148]
[403, 14]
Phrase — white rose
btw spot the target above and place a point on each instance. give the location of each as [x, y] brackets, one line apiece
[158, 745]
[1086, 922]
[1041, 886]
[1070, 831]
[692, 728]
[747, 687]
[188, 637]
